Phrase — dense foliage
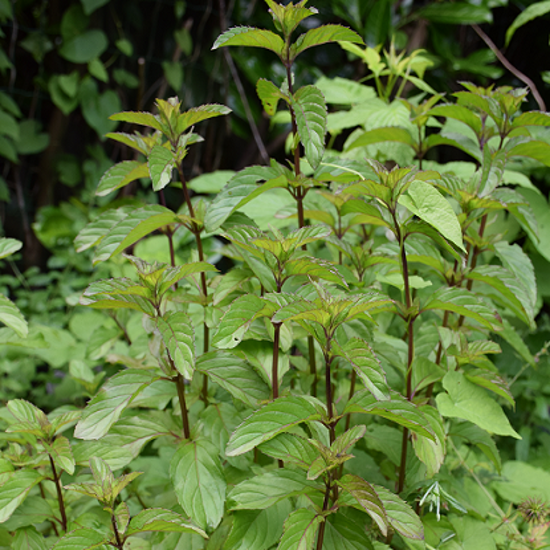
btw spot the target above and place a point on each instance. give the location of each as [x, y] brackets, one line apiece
[340, 347]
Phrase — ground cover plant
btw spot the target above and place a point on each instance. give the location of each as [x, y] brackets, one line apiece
[337, 349]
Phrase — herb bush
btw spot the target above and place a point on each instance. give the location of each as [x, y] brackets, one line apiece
[345, 377]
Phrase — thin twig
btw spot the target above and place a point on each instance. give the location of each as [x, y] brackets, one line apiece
[517, 73]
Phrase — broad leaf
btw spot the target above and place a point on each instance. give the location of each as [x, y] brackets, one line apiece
[199, 482]
[176, 330]
[426, 202]
[132, 228]
[198, 114]
[98, 228]
[310, 110]
[400, 515]
[357, 352]
[367, 498]
[161, 162]
[291, 448]
[83, 539]
[249, 36]
[269, 488]
[299, 530]
[346, 531]
[534, 149]
[378, 135]
[121, 174]
[235, 376]
[28, 539]
[323, 35]
[272, 419]
[14, 488]
[157, 519]
[470, 402]
[398, 410]
[430, 452]
[257, 529]
[8, 247]
[107, 406]
[141, 118]
[12, 317]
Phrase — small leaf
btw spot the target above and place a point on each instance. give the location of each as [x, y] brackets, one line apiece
[62, 455]
[367, 498]
[272, 419]
[428, 451]
[161, 162]
[269, 95]
[121, 174]
[199, 482]
[141, 118]
[198, 114]
[107, 406]
[234, 375]
[157, 519]
[299, 530]
[310, 111]
[323, 35]
[470, 402]
[249, 36]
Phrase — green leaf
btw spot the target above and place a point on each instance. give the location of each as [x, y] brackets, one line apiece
[141, 118]
[461, 113]
[491, 381]
[367, 498]
[323, 35]
[532, 118]
[83, 539]
[426, 202]
[521, 481]
[235, 376]
[398, 410]
[527, 14]
[136, 225]
[14, 488]
[107, 406]
[456, 13]
[8, 247]
[161, 163]
[358, 352]
[272, 419]
[62, 455]
[237, 191]
[269, 95]
[464, 303]
[28, 539]
[176, 330]
[428, 451]
[30, 419]
[478, 437]
[85, 47]
[470, 402]
[257, 529]
[237, 320]
[267, 489]
[12, 317]
[291, 448]
[199, 482]
[310, 110]
[98, 228]
[314, 267]
[400, 515]
[121, 174]
[534, 149]
[299, 530]
[158, 519]
[379, 135]
[510, 292]
[249, 36]
[198, 114]
[345, 531]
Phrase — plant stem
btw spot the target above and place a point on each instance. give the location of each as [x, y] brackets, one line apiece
[119, 542]
[328, 390]
[57, 481]
[312, 365]
[52, 521]
[183, 405]
[275, 364]
[321, 535]
[351, 392]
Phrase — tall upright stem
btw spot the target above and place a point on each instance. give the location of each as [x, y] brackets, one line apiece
[183, 406]
[321, 535]
[61, 502]
[275, 364]
[119, 543]
[204, 288]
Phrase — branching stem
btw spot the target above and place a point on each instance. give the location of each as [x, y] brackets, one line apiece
[57, 481]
